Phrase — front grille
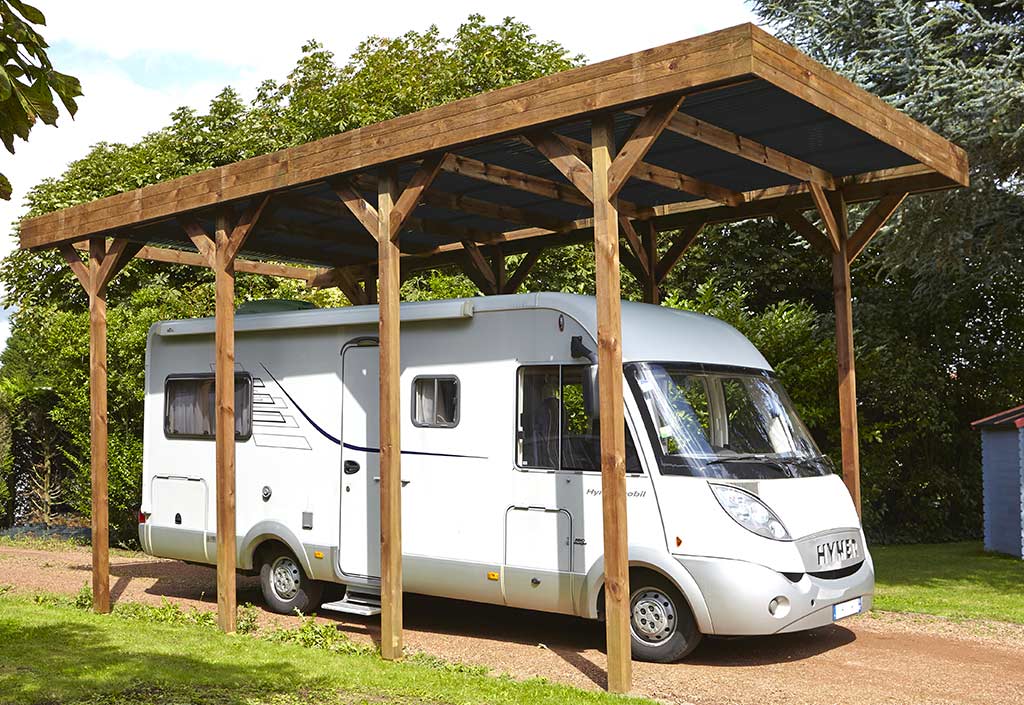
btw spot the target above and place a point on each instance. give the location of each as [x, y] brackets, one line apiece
[838, 572]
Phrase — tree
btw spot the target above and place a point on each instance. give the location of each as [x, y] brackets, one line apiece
[28, 81]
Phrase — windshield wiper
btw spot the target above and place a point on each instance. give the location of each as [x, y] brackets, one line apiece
[770, 462]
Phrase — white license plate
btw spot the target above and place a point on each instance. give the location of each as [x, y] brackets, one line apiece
[847, 609]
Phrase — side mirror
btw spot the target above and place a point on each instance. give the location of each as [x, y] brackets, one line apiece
[591, 394]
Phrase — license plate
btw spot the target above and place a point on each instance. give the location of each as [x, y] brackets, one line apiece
[847, 609]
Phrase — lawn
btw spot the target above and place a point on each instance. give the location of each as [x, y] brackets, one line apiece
[956, 580]
[56, 652]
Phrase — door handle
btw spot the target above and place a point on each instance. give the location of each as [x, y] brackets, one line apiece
[350, 467]
[404, 482]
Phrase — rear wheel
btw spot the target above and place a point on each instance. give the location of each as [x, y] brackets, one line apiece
[286, 588]
[662, 626]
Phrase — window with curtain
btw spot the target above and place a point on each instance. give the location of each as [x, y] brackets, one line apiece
[190, 406]
[435, 402]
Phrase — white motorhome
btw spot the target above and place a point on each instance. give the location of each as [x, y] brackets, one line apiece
[737, 525]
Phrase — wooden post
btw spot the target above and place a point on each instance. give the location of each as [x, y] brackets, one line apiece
[98, 427]
[390, 420]
[652, 292]
[844, 351]
[613, 443]
[224, 339]
[500, 271]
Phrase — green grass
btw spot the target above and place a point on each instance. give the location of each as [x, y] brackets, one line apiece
[52, 543]
[957, 580]
[53, 652]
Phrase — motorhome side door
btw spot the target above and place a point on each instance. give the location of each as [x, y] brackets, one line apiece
[359, 540]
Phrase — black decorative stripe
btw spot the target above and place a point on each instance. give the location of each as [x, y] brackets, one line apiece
[350, 446]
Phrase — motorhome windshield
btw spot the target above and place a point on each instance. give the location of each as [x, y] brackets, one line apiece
[721, 423]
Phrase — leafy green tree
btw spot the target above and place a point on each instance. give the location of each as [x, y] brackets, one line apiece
[28, 81]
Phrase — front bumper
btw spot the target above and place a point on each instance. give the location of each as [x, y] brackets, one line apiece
[738, 594]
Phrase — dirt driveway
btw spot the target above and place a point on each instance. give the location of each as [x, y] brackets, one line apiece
[879, 658]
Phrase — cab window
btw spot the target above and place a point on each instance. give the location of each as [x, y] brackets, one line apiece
[554, 431]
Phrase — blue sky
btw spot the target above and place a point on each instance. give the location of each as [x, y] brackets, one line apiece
[138, 61]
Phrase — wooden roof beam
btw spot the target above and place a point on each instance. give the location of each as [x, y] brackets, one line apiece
[828, 217]
[523, 270]
[680, 244]
[751, 150]
[666, 178]
[644, 135]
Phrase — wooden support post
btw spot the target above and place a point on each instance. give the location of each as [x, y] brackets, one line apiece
[500, 271]
[98, 427]
[613, 443]
[844, 350]
[652, 292]
[389, 275]
[224, 340]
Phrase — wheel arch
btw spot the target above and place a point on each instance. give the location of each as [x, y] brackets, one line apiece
[264, 532]
[657, 562]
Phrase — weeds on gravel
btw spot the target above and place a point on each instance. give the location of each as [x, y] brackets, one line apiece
[248, 620]
[324, 637]
[166, 613]
[4, 589]
[439, 664]
[83, 600]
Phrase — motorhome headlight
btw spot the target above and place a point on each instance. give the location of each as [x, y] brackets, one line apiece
[750, 512]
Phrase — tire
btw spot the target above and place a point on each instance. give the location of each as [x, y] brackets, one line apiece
[286, 587]
[662, 628]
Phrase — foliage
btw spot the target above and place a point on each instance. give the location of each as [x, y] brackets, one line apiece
[28, 81]
[247, 621]
[53, 652]
[938, 322]
[958, 580]
[319, 635]
[83, 599]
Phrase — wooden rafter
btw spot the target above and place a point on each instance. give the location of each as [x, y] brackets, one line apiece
[827, 216]
[354, 201]
[119, 253]
[199, 237]
[566, 160]
[644, 135]
[245, 225]
[522, 271]
[79, 268]
[805, 229]
[637, 246]
[680, 244]
[412, 192]
[751, 150]
[873, 222]
[666, 178]
[479, 269]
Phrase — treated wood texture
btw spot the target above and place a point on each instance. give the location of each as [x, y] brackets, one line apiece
[613, 438]
[224, 342]
[389, 276]
[806, 229]
[522, 271]
[873, 222]
[98, 428]
[717, 57]
[749, 149]
[644, 135]
[844, 355]
[780, 64]
[828, 216]
[652, 292]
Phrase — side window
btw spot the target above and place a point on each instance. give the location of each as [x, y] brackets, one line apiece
[190, 407]
[435, 402]
[555, 432]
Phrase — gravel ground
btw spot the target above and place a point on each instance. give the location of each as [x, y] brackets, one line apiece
[877, 658]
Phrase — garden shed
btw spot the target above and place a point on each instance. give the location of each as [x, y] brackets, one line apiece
[1002, 468]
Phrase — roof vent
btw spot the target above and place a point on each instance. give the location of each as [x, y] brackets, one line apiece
[274, 306]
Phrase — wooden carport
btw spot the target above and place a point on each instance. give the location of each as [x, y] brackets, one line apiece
[723, 127]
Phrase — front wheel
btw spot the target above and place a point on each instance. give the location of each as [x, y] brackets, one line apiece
[286, 588]
[662, 627]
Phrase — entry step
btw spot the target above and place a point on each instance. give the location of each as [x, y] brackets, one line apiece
[362, 603]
